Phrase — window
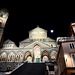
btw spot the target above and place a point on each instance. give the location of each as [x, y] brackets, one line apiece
[72, 46]
[11, 57]
[40, 39]
[51, 68]
[44, 39]
[0, 24]
[73, 58]
[51, 45]
[19, 57]
[3, 56]
[10, 45]
[53, 55]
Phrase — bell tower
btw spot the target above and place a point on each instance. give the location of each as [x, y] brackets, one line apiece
[3, 19]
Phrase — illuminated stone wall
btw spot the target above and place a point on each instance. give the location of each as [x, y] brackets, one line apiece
[38, 33]
[38, 47]
[3, 18]
[15, 54]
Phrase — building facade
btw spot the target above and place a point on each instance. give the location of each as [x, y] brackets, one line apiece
[66, 53]
[38, 48]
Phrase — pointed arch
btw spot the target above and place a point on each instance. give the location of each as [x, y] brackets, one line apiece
[53, 55]
[36, 47]
[37, 53]
[3, 56]
[19, 57]
[28, 56]
[28, 53]
[45, 56]
[11, 57]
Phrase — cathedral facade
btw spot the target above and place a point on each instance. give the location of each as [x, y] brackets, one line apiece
[37, 48]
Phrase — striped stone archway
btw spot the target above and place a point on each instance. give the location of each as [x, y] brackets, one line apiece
[45, 56]
[28, 57]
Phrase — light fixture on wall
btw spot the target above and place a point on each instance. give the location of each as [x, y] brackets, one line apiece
[66, 57]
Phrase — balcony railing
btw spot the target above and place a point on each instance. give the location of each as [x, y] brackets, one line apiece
[61, 39]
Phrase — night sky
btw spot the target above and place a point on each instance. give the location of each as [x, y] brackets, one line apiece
[22, 20]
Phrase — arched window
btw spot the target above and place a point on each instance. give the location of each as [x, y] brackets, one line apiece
[53, 55]
[3, 56]
[19, 57]
[11, 57]
[51, 45]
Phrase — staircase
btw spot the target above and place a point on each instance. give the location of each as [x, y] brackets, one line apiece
[30, 69]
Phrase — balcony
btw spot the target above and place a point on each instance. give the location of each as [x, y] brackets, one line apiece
[61, 39]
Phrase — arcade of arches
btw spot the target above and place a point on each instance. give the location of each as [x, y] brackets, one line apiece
[36, 57]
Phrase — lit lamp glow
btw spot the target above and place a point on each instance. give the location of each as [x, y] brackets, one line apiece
[66, 58]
